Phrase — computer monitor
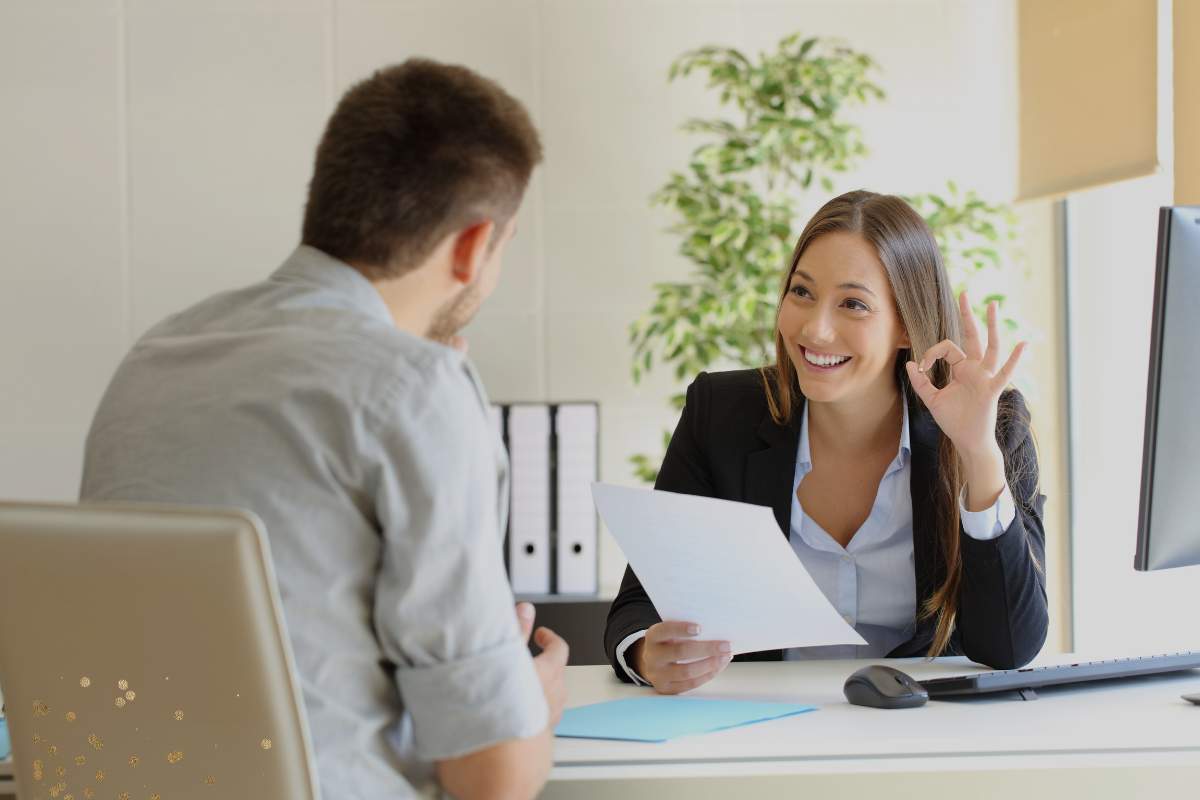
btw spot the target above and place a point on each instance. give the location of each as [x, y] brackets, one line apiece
[1168, 525]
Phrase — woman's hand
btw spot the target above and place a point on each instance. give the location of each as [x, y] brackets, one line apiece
[965, 408]
[658, 656]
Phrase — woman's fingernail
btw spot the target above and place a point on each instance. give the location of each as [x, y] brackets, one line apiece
[693, 629]
[725, 648]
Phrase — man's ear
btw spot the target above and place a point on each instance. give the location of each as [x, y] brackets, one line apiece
[471, 247]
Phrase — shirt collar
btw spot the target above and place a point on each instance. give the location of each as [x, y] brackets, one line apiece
[903, 454]
[312, 267]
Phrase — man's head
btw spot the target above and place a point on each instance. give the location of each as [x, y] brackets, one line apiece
[422, 159]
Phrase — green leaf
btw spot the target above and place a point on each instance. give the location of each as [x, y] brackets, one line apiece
[723, 231]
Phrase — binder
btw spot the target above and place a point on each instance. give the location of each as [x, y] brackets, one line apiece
[576, 426]
[529, 509]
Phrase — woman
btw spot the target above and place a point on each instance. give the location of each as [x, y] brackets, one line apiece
[908, 488]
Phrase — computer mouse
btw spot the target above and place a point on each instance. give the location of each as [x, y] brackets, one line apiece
[878, 686]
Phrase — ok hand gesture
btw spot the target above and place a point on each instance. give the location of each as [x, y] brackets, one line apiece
[965, 408]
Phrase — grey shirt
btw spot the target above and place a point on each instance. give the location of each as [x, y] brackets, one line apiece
[368, 455]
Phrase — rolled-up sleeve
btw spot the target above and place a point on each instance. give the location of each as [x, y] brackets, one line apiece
[465, 705]
[443, 607]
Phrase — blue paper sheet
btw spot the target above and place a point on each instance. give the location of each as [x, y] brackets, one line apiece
[5, 744]
[657, 718]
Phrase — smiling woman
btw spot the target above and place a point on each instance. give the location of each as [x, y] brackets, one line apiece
[899, 465]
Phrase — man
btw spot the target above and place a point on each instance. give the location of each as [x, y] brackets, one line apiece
[328, 401]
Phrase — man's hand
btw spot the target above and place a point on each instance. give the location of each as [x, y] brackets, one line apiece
[671, 658]
[551, 664]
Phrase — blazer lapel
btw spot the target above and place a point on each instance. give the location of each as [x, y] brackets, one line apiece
[769, 472]
[924, 438]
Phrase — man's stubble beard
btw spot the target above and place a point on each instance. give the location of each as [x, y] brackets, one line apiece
[455, 314]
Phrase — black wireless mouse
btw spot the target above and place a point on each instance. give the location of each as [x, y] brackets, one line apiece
[878, 686]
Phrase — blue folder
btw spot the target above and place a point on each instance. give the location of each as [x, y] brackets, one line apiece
[5, 744]
[657, 718]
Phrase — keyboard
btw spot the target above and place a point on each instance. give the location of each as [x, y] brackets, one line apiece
[1028, 678]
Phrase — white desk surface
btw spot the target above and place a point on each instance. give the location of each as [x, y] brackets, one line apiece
[1135, 723]
[1129, 737]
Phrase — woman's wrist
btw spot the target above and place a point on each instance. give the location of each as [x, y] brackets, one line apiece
[633, 656]
[983, 454]
[983, 476]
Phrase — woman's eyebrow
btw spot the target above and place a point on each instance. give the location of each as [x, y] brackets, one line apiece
[847, 285]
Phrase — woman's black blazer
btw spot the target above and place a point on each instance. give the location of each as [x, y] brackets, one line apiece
[727, 445]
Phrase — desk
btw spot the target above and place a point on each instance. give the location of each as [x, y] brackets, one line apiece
[1123, 739]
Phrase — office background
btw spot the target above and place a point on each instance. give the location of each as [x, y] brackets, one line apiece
[157, 151]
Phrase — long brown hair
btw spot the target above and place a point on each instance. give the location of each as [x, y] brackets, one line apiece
[927, 308]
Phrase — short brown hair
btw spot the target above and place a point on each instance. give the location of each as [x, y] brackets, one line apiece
[410, 155]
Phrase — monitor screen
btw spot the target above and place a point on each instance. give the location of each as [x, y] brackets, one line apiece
[1168, 523]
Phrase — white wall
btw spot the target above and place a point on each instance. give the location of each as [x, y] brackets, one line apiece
[155, 152]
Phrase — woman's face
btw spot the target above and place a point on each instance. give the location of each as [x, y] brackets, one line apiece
[839, 321]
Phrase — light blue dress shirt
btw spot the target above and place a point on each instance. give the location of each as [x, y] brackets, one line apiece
[368, 454]
[872, 581]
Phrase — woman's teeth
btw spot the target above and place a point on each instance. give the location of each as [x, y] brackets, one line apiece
[824, 360]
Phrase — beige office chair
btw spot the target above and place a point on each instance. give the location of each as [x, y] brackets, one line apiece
[143, 654]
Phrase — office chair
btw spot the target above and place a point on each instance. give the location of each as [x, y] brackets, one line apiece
[143, 654]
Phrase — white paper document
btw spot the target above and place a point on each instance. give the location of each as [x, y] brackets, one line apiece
[723, 565]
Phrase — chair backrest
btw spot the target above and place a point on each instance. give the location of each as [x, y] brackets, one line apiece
[142, 651]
